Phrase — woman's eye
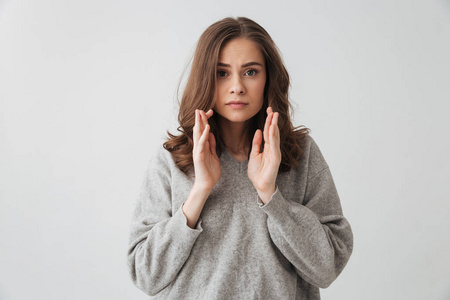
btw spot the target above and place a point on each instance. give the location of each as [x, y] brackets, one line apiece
[222, 73]
[251, 73]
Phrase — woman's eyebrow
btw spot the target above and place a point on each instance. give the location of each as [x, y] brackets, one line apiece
[253, 63]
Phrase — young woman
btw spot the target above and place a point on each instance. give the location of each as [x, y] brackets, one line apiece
[240, 204]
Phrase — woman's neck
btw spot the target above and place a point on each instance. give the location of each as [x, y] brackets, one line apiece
[235, 137]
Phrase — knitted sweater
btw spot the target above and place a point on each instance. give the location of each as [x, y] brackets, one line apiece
[288, 248]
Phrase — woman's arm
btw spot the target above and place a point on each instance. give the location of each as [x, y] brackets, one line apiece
[315, 237]
[161, 242]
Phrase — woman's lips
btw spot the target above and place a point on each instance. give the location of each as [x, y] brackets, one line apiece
[237, 104]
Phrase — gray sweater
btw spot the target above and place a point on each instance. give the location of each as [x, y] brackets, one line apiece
[240, 249]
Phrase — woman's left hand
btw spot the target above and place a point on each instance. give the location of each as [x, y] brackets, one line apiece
[263, 166]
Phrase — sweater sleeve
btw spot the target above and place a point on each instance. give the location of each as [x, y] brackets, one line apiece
[314, 236]
[160, 242]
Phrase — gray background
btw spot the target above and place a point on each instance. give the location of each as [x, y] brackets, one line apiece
[88, 88]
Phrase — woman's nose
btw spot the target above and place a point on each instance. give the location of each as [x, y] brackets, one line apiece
[237, 87]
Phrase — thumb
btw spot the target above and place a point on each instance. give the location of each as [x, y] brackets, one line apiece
[256, 144]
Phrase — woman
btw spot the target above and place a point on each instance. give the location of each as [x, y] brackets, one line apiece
[240, 204]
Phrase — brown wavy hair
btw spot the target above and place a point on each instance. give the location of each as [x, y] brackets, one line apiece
[200, 93]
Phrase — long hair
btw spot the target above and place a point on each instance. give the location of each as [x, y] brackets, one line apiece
[200, 93]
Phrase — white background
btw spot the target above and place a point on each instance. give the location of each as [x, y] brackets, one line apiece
[88, 89]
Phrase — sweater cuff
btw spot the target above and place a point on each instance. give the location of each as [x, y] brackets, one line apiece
[277, 206]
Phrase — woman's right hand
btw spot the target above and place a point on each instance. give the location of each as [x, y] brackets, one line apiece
[206, 162]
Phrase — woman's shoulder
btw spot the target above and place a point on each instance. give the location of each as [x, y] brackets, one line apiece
[312, 155]
[160, 159]
[307, 144]
[163, 159]
[162, 153]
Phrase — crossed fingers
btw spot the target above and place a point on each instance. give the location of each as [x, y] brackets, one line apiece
[201, 127]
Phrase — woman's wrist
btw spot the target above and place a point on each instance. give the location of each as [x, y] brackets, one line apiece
[194, 205]
[201, 189]
[266, 195]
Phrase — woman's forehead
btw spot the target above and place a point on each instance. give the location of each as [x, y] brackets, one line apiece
[240, 51]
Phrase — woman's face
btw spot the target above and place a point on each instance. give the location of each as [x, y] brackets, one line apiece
[241, 78]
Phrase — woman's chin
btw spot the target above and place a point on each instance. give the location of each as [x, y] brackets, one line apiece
[237, 116]
[236, 119]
